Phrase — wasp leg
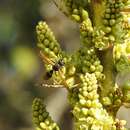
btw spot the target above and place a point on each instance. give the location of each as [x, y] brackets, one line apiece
[52, 85]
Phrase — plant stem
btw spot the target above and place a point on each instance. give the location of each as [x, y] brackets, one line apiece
[106, 58]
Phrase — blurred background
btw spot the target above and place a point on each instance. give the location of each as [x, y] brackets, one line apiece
[21, 69]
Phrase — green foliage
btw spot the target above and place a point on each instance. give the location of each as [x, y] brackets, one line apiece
[89, 74]
[41, 117]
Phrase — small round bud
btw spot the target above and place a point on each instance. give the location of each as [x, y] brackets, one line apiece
[126, 86]
[41, 37]
[113, 16]
[96, 96]
[99, 68]
[51, 54]
[35, 113]
[76, 17]
[117, 102]
[107, 16]
[84, 111]
[97, 74]
[127, 97]
[84, 69]
[84, 87]
[113, 10]
[85, 93]
[43, 125]
[108, 10]
[84, 14]
[70, 82]
[75, 11]
[106, 101]
[71, 70]
[35, 120]
[88, 103]
[47, 121]
[95, 103]
[111, 38]
[90, 95]
[56, 50]
[105, 22]
[40, 118]
[112, 22]
[81, 96]
[51, 45]
[107, 29]
[92, 68]
[35, 108]
[82, 101]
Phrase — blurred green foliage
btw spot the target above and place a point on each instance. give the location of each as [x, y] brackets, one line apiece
[20, 65]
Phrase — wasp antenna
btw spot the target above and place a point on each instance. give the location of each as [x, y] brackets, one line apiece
[60, 8]
[46, 59]
[52, 85]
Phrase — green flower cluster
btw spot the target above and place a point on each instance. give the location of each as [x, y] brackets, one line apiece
[119, 51]
[50, 50]
[39, 111]
[111, 31]
[122, 64]
[113, 101]
[126, 22]
[88, 111]
[76, 9]
[126, 93]
[112, 12]
[113, 17]
[88, 62]
[100, 39]
[47, 41]
[86, 32]
[121, 55]
[41, 117]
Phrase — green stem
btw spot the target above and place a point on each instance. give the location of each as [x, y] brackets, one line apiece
[106, 58]
[97, 9]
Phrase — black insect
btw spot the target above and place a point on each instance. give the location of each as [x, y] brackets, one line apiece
[56, 66]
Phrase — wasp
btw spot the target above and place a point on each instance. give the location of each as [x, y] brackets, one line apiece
[56, 67]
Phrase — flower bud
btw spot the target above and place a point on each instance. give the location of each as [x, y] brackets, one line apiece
[84, 14]
[76, 17]
[82, 102]
[84, 111]
[106, 101]
[43, 125]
